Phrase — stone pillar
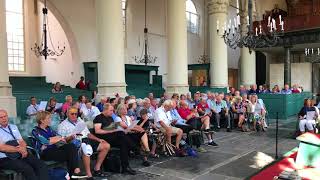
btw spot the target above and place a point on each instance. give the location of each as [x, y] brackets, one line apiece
[218, 49]
[7, 101]
[111, 69]
[268, 61]
[177, 48]
[247, 57]
[287, 66]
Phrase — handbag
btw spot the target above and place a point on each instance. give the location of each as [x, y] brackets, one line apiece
[13, 155]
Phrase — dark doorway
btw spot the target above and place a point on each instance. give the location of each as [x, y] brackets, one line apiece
[260, 68]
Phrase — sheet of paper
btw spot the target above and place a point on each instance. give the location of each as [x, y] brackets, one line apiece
[79, 128]
[310, 115]
[59, 105]
[133, 124]
[42, 105]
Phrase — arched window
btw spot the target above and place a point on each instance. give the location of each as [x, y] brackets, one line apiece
[192, 17]
[15, 35]
[124, 13]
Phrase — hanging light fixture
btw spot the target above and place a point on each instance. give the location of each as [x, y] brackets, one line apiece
[145, 56]
[312, 55]
[255, 38]
[42, 49]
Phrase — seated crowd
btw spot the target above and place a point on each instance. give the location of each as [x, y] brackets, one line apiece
[148, 126]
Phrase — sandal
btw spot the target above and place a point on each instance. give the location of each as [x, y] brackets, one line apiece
[99, 173]
[154, 155]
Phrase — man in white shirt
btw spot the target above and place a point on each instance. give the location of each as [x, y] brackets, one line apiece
[33, 108]
[163, 120]
[90, 111]
[67, 128]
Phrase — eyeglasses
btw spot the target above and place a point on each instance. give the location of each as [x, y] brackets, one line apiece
[73, 114]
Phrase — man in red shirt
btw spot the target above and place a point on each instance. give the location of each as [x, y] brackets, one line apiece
[81, 84]
[193, 119]
[203, 107]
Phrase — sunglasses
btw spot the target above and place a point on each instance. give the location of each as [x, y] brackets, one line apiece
[73, 114]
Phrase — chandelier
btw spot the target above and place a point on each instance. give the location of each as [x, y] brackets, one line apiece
[145, 56]
[234, 37]
[42, 49]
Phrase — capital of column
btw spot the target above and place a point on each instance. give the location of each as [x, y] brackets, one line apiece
[218, 6]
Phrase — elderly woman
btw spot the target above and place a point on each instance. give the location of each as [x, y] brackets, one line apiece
[257, 113]
[132, 109]
[53, 147]
[238, 110]
[134, 132]
[57, 88]
[307, 116]
[67, 104]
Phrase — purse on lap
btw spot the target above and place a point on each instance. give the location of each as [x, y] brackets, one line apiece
[13, 155]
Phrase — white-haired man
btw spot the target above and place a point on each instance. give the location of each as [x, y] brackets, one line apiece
[163, 121]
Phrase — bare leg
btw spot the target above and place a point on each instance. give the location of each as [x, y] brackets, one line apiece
[86, 163]
[144, 140]
[103, 151]
[178, 138]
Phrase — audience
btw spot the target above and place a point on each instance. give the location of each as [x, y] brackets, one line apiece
[163, 122]
[307, 116]
[67, 128]
[286, 90]
[81, 84]
[14, 155]
[102, 102]
[53, 147]
[195, 121]
[67, 104]
[51, 107]
[105, 128]
[135, 124]
[220, 111]
[57, 88]
[135, 133]
[90, 111]
[33, 108]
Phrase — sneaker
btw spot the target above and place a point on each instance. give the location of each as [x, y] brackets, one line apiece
[78, 175]
[180, 153]
[201, 150]
[228, 130]
[213, 144]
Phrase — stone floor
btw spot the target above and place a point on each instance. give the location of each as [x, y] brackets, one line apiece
[238, 156]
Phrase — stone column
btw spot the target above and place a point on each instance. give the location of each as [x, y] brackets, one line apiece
[177, 48]
[287, 66]
[218, 49]
[247, 58]
[7, 101]
[111, 69]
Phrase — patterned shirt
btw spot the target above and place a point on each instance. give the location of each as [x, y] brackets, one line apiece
[66, 128]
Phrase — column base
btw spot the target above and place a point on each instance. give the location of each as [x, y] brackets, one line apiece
[8, 103]
[5, 89]
[111, 89]
[177, 88]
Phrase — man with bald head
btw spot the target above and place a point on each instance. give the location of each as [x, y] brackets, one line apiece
[30, 167]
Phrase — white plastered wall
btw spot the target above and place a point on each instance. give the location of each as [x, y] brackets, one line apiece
[300, 74]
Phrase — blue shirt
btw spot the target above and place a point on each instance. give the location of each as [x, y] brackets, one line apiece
[176, 116]
[5, 135]
[100, 106]
[283, 91]
[43, 138]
